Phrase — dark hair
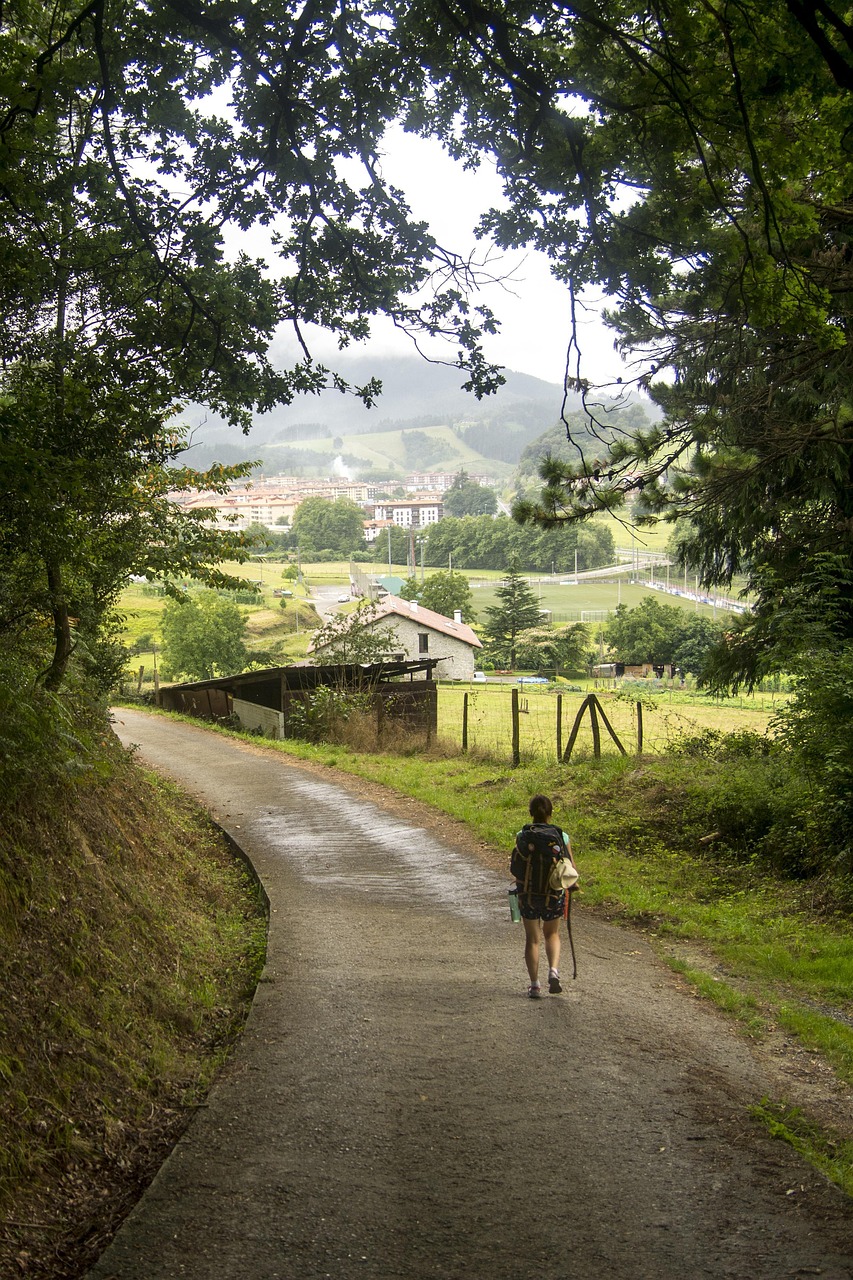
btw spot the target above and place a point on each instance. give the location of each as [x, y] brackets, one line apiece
[540, 808]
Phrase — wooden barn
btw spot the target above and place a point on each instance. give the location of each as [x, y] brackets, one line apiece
[263, 701]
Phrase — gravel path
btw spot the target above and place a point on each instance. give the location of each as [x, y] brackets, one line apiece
[397, 1107]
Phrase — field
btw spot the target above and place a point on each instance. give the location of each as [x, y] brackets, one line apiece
[589, 600]
[667, 715]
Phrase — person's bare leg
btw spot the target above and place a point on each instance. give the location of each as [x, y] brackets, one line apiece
[551, 929]
[532, 939]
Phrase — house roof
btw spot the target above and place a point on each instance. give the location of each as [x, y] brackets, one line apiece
[393, 606]
[307, 675]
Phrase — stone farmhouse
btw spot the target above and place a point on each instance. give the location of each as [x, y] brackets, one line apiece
[421, 634]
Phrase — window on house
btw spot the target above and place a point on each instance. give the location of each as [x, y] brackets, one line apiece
[423, 642]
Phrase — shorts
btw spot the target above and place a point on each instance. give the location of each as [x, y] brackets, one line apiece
[542, 906]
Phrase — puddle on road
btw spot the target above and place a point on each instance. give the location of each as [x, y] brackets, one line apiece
[355, 844]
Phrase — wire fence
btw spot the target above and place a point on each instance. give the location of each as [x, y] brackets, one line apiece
[484, 722]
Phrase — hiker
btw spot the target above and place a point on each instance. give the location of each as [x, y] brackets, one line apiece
[538, 843]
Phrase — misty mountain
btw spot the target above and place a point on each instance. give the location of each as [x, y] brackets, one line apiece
[415, 393]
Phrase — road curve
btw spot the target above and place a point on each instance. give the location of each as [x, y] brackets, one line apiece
[397, 1107]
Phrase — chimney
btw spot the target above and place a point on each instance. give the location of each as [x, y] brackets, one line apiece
[414, 605]
[457, 615]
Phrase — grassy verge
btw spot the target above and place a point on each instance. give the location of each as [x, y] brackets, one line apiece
[832, 1155]
[130, 945]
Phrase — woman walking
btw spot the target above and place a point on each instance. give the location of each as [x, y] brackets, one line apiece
[537, 845]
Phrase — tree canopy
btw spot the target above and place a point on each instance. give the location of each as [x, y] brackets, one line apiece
[322, 525]
[703, 179]
[353, 637]
[203, 637]
[662, 634]
[443, 592]
[467, 497]
[692, 161]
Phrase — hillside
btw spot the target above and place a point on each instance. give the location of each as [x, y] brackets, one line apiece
[422, 421]
[392, 452]
[417, 396]
[130, 944]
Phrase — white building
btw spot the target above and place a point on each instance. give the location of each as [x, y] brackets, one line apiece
[440, 481]
[424, 634]
[410, 513]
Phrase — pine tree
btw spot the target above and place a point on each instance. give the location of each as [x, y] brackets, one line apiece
[518, 611]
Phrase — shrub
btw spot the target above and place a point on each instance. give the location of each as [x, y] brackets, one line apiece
[817, 728]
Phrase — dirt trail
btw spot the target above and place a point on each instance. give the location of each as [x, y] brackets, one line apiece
[398, 1107]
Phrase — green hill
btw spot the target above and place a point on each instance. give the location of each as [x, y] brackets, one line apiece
[389, 452]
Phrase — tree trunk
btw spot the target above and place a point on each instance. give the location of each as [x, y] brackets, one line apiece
[62, 643]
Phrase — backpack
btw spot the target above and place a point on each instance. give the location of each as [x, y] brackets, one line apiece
[538, 846]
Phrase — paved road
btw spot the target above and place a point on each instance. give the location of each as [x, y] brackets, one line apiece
[397, 1107]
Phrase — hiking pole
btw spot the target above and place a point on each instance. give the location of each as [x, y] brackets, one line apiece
[568, 916]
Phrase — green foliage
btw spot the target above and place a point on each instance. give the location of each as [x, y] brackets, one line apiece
[517, 612]
[203, 637]
[354, 637]
[421, 452]
[466, 497]
[565, 649]
[443, 592]
[321, 716]
[47, 739]
[661, 634]
[487, 542]
[817, 728]
[334, 527]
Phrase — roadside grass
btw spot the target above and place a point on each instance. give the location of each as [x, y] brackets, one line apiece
[829, 1152]
[744, 1008]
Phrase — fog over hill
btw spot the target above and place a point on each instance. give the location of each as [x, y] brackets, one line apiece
[414, 393]
[304, 437]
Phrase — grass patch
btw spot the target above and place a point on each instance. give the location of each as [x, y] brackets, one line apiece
[830, 1153]
[822, 1034]
[736, 1004]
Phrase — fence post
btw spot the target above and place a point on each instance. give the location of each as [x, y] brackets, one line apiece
[465, 722]
[596, 732]
[575, 727]
[516, 748]
[559, 727]
[380, 715]
[608, 726]
[639, 728]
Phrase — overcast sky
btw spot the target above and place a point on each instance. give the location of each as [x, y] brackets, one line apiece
[533, 307]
